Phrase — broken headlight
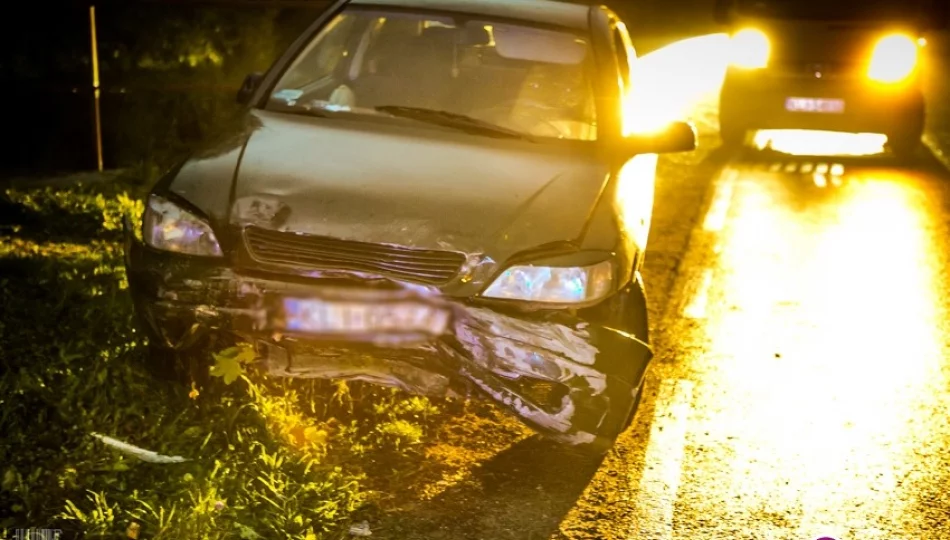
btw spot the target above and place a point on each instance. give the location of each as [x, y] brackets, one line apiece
[169, 227]
[551, 284]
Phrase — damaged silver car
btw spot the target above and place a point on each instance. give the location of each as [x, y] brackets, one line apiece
[435, 195]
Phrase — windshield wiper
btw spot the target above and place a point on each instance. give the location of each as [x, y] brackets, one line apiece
[452, 120]
[301, 110]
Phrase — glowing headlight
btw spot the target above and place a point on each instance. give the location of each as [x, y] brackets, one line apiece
[558, 285]
[750, 49]
[894, 59]
[170, 227]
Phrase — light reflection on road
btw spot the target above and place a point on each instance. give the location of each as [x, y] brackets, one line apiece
[821, 369]
[819, 143]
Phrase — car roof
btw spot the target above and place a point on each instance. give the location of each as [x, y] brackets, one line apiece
[552, 12]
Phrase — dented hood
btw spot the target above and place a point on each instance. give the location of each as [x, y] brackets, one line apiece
[413, 185]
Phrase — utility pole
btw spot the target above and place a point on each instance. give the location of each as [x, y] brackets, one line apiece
[95, 85]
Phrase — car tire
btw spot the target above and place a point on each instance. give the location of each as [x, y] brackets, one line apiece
[905, 141]
[175, 366]
[904, 149]
[905, 145]
[189, 365]
[603, 445]
[633, 412]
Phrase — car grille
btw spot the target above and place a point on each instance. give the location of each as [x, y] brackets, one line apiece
[301, 250]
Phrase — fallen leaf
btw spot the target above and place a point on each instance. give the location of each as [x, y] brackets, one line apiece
[361, 529]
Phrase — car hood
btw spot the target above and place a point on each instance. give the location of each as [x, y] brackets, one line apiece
[412, 185]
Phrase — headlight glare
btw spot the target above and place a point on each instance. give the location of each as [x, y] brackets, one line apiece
[552, 284]
[894, 59]
[170, 227]
[750, 49]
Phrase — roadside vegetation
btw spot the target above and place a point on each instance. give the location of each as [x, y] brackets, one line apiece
[262, 458]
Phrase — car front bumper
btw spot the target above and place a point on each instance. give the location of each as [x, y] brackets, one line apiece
[562, 374]
[757, 100]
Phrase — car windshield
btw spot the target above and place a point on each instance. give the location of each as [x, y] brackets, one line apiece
[446, 70]
[830, 9]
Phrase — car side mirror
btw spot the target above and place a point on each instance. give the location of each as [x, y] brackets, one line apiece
[250, 85]
[675, 137]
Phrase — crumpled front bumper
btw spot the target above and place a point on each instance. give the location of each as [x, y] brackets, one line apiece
[563, 375]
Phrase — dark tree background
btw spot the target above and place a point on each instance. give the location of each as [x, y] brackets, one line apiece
[169, 71]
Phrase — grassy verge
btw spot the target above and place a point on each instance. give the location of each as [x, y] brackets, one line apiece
[263, 458]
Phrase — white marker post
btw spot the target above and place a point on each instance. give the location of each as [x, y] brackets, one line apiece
[95, 85]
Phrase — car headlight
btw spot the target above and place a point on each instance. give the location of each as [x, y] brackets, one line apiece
[552, 284]
[894, 59]
[750, 49]
[169, 227]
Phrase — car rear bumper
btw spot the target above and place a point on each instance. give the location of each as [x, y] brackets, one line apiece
[565, 376]
[757, 100]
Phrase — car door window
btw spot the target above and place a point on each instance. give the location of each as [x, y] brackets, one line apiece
[323, 56]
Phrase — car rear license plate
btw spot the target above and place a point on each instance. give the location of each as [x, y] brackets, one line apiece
[814, 105]
[315, 316]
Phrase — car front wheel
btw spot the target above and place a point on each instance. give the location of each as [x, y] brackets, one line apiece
[905, 144]
[616, 424]
[188, 365]
[905, 140]
[170, 365]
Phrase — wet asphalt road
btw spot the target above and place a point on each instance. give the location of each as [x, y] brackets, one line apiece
[802, 384]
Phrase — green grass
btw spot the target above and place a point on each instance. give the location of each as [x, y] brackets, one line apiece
[265, 458]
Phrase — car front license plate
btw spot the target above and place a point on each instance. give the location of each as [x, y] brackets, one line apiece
[315, 316]
[814, 105]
